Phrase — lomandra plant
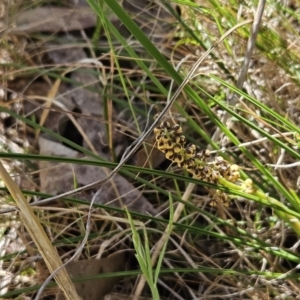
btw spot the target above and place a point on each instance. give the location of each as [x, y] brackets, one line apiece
[203, 259]
[225, 180]
[211, 168]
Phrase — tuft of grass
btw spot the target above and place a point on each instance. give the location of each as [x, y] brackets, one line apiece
[143, 253]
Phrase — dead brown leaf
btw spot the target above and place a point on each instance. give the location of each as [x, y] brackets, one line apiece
[54, 19]
[148, 156]
[58, 178]
[93, 289]
[79, 97]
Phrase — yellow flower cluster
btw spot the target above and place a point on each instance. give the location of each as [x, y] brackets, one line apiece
[201, 163]
[172, 142]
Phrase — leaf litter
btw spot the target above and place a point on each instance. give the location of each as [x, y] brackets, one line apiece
[80, 97]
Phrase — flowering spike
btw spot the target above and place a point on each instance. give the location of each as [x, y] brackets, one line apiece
[201, 164]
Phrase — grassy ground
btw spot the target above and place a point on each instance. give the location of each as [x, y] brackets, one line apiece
[222, 76]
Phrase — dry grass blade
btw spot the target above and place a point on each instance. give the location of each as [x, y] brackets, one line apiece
[251, 44]
[39, 237]
[45, 113]
[246, 62]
